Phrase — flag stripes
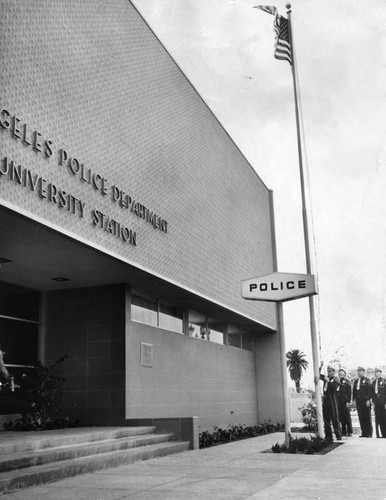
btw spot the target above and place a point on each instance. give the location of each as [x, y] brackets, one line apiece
[282, 42]
[282, 37]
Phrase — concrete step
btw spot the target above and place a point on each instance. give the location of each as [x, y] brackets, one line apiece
[32, 458]
[18, 442]
[21, 478]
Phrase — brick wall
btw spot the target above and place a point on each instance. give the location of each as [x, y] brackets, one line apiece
[92, 78]
[88, 325]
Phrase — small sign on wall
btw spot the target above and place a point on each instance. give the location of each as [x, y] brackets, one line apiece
[147, 355]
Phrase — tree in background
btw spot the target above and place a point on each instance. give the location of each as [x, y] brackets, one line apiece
[296, 364]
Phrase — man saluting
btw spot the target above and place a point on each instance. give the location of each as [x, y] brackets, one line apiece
[362, 397]
[330, 403]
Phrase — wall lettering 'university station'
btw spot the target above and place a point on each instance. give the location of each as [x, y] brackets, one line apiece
[45, 189]
[41, 186]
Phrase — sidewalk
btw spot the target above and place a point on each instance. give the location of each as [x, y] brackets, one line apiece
[235, 471]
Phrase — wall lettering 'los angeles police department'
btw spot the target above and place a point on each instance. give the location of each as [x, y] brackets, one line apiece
[62, 198]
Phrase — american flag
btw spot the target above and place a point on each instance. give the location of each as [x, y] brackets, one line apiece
[282, 39]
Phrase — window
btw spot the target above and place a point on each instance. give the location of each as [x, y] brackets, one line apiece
[170, 318]
[155, 313]
[238, 337]
[19, 324]
[19, 302]
[202, 327]
[144, 310]
[234, 337]
[19, 341]
[215, 331]
[197, 325]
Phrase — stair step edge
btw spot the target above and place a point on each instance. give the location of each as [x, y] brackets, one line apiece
[47, 441]
[16, 479]
[129, 439]
[22, 459]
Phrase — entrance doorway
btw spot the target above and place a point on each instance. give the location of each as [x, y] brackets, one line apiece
[19, 324]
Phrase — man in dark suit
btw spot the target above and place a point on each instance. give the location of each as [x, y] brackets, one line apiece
[344, 400]
[330, 404]
[362, 398]
[378, 387]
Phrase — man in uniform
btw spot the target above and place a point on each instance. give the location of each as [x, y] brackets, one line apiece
[362, 398]
[378, 387]
[344, 400]
[4, 375]
[330, 404]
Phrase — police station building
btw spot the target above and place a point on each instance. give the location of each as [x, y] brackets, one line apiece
[128, 219]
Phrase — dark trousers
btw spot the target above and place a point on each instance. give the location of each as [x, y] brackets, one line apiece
[380, 417]
[344, 418]
[331, 416]
[364, 415]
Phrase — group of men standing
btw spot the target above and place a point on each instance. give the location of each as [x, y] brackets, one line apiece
[338, 395]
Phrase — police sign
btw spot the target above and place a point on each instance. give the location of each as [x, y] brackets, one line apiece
[278, 287]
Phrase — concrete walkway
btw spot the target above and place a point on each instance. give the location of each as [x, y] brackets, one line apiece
[355, 470]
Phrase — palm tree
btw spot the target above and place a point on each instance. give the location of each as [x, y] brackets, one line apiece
[296, 363]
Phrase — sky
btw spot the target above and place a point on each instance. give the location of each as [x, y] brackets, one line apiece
[225, 48]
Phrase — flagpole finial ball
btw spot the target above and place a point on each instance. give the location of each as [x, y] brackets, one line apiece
[288, 6]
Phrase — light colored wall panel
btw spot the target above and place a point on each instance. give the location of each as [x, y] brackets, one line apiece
[212, 383]
[91, 77]
[269, 384]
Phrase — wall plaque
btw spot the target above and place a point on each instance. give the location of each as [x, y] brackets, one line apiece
[147, 355]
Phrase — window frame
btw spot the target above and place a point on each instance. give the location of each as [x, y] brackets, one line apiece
[187, 323]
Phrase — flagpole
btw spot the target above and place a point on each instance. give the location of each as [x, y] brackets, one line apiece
[280, 326]
[314, 336]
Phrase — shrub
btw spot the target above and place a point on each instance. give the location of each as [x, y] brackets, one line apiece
[38, 391]
[235, 433]
[305, 445]
[308, 412]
